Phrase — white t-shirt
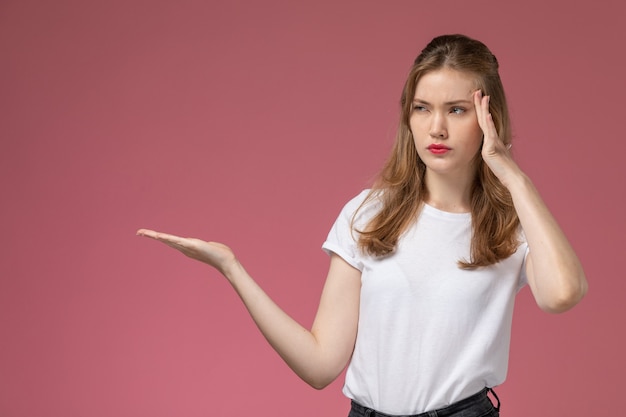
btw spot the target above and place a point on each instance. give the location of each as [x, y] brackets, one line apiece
[429, 333]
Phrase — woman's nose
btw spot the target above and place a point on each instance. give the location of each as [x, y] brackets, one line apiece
[438, 127]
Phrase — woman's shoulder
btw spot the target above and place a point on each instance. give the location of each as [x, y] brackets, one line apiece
[362, 207]
[365, 199]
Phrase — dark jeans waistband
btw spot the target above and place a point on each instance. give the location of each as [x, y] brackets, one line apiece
[479, 401]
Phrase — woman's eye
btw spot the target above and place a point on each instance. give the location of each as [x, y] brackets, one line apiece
[458, 110]
[419, 108]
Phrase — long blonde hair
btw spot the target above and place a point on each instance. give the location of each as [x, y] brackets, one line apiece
[400, 185]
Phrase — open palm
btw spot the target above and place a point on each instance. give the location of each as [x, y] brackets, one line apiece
[215, 254]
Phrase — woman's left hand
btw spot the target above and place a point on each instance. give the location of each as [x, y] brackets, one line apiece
[495, 152]
[554, 272]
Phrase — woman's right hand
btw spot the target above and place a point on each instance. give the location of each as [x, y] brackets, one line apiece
[215, 254]
[318, 355]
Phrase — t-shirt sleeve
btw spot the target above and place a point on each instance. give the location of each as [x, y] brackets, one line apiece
[342, 238]
[523, 278]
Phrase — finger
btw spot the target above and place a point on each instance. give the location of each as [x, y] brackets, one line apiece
[478, 95]
[163, 237]
[481, 104]
[488, 126]
[148, 233]
[179, 243]
[180, 246]
[485, 120]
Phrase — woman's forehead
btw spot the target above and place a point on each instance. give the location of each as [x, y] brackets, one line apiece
[445, 85]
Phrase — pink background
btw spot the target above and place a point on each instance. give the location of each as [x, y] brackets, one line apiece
[252, 123]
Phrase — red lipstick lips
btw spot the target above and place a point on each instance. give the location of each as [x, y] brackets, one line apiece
[438, 149]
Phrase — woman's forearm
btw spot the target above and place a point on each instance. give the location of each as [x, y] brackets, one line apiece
[555, 273]
[317, 359]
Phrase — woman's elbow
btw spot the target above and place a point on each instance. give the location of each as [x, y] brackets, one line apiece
[320, 382]
[320, 385]
[566, 298]
[322, 376]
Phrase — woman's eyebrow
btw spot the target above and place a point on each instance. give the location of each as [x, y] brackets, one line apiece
[447, 103]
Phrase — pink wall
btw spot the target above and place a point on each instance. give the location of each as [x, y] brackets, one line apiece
[252, 123]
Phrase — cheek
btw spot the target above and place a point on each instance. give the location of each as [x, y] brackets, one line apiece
[418, 129]
[413, 126]
[475, 136]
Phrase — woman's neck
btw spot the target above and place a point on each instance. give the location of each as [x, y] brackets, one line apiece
[449, 194]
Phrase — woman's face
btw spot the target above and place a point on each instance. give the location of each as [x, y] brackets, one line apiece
[444, 123]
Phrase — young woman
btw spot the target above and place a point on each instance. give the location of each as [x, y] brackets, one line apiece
[425, 266]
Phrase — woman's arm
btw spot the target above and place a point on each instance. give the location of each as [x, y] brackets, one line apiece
[555, 274]
[317, 356]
